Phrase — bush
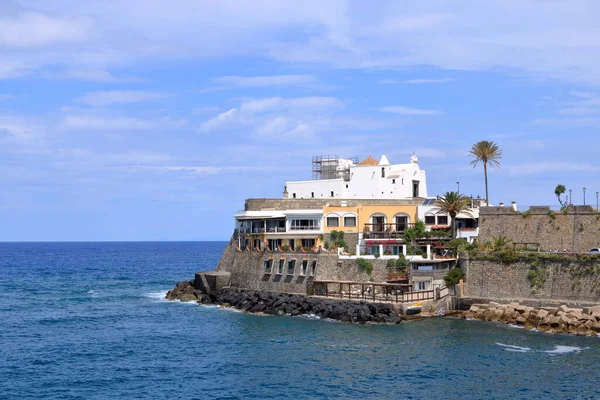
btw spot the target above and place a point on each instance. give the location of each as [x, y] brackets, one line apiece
[454, 276]
[391, 264]
[457, 245]
[377, 255]
[284, 247]
[326, 245]
[401, 262]
[365, 265]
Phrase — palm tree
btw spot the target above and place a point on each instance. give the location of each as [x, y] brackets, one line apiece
[453, 203]
[486, 152]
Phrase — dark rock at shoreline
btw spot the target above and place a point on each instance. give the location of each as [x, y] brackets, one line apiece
[273, 303]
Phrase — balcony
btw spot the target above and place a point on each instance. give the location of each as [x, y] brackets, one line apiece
[386, 230]
[273, 229]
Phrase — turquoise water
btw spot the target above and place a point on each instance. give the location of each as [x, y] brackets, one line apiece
[88, 320]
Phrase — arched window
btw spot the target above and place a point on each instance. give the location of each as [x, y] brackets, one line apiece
[378, 222]
[401, 222]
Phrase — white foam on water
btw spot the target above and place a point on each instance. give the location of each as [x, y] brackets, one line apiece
[517, 349]
[515, 326]
[564, 350]
[157, 295]
[309, 316]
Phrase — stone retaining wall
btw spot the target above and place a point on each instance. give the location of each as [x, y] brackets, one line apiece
[577, 229]
[248, 270]
[567, 278]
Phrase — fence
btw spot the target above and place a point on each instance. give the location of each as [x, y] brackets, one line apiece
[381, 292]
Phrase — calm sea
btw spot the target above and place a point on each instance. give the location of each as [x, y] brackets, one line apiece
[88, 321]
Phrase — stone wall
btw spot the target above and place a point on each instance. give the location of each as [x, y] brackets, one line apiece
[555, 277]
[351, 240]
[303, 204]
[247, 270]
[577, 229]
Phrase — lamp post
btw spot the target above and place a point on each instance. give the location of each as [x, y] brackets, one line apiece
[596, 201]
[458, 184]
[570, 196]
[584, 195]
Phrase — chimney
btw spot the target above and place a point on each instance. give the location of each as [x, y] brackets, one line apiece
[501, 204]
[514, 205]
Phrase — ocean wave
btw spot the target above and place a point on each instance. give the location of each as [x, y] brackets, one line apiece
[517, 349]
[157, 295]
[565, 350]
[558, 349]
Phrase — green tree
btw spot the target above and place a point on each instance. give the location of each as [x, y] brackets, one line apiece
[486, 152]
[559, 191]
[453, 203]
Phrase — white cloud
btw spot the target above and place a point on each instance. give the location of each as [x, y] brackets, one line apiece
[550, 167]
[116, 123]
[265, 81]
[519, 36]
[20, 129]
[409, 110]
[95, 75]
[108, 97]
[416, 81]
[219, 121]
[250, 109]
[34, 29]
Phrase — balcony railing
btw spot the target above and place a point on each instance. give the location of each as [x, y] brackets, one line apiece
[274, 229]
[305, 228]
[386, 231]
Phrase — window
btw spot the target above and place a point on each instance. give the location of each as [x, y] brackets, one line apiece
[292, 244]
[401, 223]
[442, 220]
[304, 224]
[308, 243]
[346, 186]
[333, 221]
[313, 268]
[383, 172]
[280, 267]
[294, 195]
[422, 285]
[312, 195]
[393, 181]
[349, 221]
[304, 267]
[332, 193]
[268, 265]
[291, 267]
[415, 189]
[430, 220]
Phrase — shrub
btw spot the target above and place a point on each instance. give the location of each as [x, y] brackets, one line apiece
[365, 265]
[284, 247]
[326, 245]
[401, 262]
[377, 255]
[454, 276]
[391, 264]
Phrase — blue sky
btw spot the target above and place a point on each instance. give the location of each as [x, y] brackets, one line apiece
[154, 120]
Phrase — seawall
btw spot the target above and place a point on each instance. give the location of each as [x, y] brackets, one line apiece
[575, 229]
[273, 271]
[538, 278]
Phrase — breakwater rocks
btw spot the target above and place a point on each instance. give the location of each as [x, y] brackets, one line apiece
[577, 321]
[289, 304]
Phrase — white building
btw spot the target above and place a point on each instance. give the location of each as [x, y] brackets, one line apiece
[334, 177]
[466, 223]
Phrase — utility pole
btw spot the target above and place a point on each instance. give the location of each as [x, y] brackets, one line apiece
[458, 184]
[584, 195]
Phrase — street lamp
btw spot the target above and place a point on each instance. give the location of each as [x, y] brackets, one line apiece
[584, 195]
[458, 184]
[596, 201]
[570, 196]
